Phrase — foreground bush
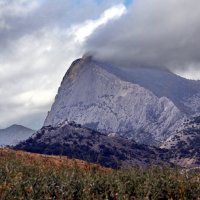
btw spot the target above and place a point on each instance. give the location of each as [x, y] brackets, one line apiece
[24, 180]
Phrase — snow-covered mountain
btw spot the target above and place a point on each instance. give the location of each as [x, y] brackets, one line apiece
[14, 134]
[147, 105]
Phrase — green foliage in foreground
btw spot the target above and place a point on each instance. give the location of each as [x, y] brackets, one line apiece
[25, 181]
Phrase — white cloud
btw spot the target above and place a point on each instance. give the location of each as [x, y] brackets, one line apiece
[192, 71]
[84, 30]
[34, 98]
[33, 66]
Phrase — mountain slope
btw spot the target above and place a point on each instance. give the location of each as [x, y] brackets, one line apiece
[74, 141]
[14, 134]
[184, 145]
[94, 95]
[184, 93]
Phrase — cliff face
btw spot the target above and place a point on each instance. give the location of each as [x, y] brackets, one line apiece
[111, 99]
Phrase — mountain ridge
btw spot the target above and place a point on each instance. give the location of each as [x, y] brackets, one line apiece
[14, 134]
[74, 141]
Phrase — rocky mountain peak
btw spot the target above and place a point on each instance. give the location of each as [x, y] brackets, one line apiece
[113, 113]
[78, 66]
[94, 95]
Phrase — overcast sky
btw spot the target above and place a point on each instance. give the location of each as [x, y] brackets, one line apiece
[40, 38]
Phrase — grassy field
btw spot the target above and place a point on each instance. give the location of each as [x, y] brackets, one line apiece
[33, 176]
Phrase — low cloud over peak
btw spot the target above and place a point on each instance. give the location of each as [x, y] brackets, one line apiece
[153, 33]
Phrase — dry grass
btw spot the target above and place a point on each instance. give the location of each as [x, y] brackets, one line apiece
[46, 161]
[28, 176]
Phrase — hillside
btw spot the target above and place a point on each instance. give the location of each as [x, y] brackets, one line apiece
[49, 161]
[75, 141]
[185, 144]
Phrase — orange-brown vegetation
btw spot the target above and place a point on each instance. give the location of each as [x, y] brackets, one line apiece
[33, 176]
[46, 161]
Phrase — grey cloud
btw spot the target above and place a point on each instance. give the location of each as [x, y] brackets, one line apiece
[33, 15]
[30, 77]
[36, 49]
[152, 33]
